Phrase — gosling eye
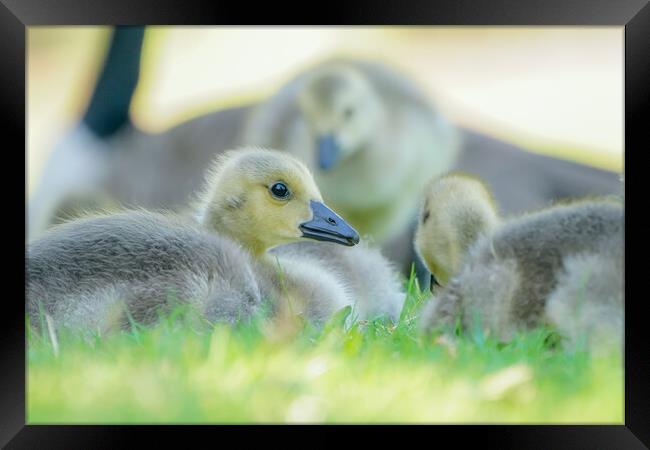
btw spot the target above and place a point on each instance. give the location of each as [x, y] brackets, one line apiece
[280, 191]
[425, 216]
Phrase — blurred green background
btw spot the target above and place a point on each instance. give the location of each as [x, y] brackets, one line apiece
[553, 90]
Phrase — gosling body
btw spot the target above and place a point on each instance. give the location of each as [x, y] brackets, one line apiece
[371, 280]
[587, 305]
[89, 272]
[536, 269]
[93, 272]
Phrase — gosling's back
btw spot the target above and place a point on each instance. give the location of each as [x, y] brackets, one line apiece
[507, 278]
[84, 272]
[540, 243]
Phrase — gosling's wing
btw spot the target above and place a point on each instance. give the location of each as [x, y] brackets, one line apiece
[588, 303]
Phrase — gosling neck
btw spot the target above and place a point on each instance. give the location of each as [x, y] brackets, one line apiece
[258, 249]
[251, 243]
[214, 221]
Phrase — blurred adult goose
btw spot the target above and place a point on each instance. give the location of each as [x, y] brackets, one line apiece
[89, 272]
[105, 159]
[561, 265]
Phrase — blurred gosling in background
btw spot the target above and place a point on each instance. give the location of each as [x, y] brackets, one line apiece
[561, 266]
[369, 135]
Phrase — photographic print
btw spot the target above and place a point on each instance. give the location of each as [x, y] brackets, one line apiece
[338, 224]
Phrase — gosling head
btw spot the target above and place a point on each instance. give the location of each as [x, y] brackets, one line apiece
[342, 110]
[265, 198]
[457, 210]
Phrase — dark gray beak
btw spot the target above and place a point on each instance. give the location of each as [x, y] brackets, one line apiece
[326, 225]
[433, 284]
[329, 151]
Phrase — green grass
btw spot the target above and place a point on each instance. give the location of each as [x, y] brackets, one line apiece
[186, 371]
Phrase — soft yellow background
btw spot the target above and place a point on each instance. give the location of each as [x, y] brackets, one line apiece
[554, 90]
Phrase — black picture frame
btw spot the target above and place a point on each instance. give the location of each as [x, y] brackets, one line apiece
[17, 15]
